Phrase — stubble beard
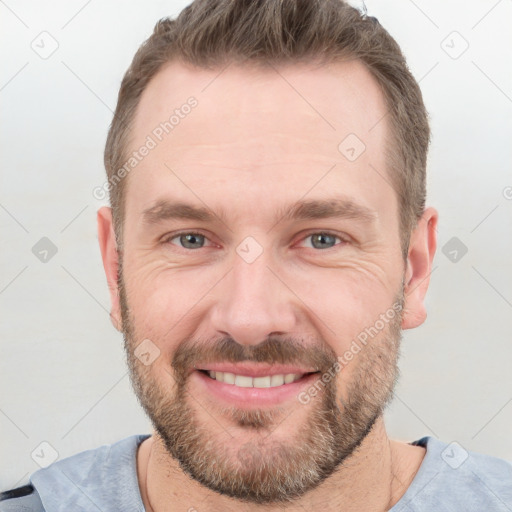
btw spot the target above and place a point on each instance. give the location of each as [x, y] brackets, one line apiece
[259, 468]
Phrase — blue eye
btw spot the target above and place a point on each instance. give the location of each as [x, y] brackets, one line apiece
[322, 240]
[190, 240]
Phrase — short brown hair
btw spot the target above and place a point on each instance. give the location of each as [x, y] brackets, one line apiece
[213, 33]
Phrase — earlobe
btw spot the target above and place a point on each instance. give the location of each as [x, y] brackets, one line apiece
[422, 248]
[110, 257]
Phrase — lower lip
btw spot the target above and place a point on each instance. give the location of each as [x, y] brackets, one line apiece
[250, 397]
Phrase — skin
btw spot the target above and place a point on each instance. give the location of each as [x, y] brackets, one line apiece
[253, 145]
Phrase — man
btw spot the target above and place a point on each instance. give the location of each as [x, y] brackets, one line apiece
[267, 242]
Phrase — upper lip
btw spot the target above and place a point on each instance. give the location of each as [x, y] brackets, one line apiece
[254, 369]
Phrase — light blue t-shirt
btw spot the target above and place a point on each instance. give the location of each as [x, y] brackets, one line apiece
[105, 479]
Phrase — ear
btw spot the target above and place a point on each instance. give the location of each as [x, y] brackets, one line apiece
[110, 256]
[422, 247]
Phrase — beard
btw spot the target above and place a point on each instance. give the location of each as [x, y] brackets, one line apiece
[261, 468]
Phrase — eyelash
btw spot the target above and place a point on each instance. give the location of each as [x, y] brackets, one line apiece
[343, 241]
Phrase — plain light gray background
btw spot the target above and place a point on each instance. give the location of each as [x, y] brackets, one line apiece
[63, 376]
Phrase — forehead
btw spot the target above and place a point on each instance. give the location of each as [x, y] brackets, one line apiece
[331, 99]
[279, 128]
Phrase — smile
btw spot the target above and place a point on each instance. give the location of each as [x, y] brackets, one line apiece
[250, 385]
[245, 381]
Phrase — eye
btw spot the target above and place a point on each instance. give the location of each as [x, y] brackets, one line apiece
[188, 240]
[193, 240]
[323, 240]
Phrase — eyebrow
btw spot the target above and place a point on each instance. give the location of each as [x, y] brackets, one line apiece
[165, 210]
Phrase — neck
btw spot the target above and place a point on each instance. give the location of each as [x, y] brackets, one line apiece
[373, 478]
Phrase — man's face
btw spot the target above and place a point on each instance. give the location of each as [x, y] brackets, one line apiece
[253, 291]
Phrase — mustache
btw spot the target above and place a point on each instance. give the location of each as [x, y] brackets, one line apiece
[274, 350]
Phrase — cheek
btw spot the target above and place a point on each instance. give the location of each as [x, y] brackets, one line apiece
[338, 300]
[343, 301]
[165, 301]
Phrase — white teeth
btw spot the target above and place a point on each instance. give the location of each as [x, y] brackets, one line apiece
[228, 378]
[243, 381]
[276, 380]
[261, 382]
[289, 377]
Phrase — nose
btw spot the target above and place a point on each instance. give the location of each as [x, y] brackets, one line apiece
[253, 302]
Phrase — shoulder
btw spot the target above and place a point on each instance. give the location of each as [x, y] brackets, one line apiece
[21, 499]
[453, 478]
[105, 476]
